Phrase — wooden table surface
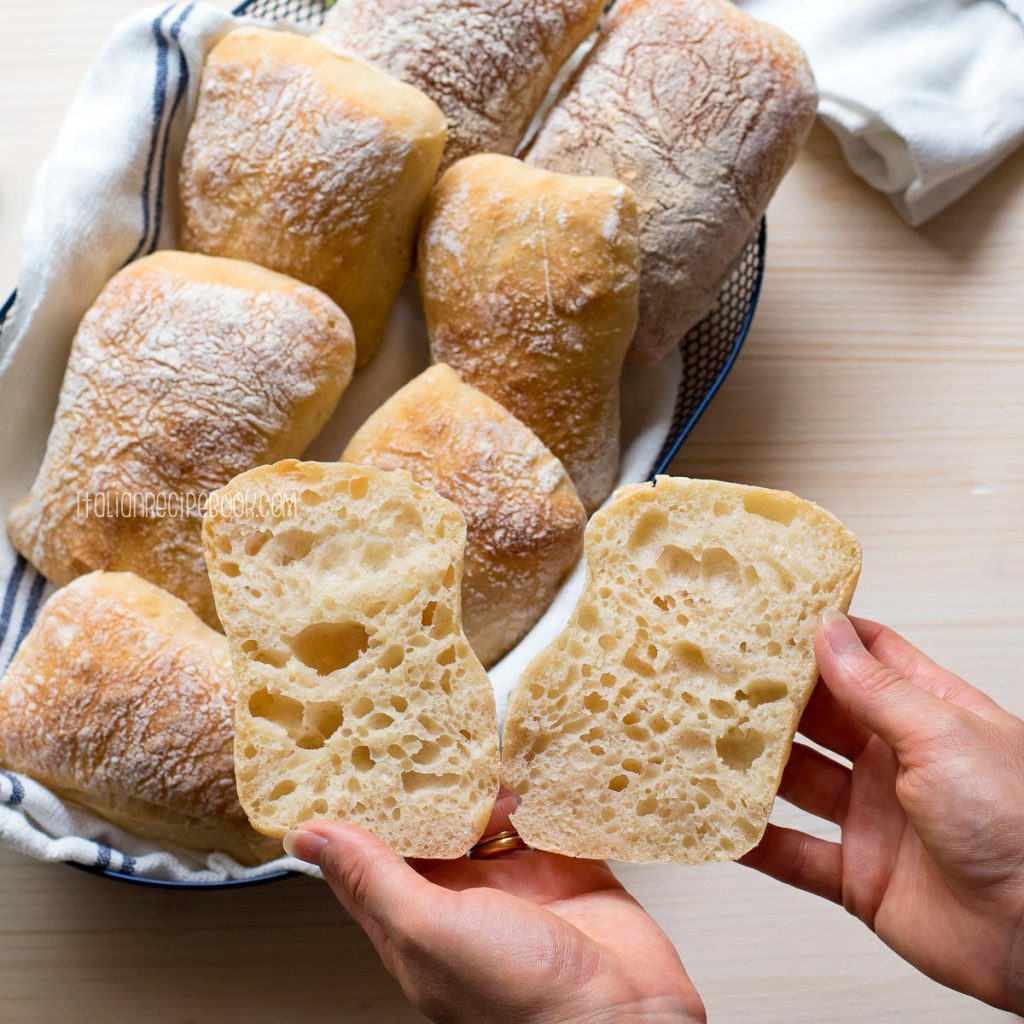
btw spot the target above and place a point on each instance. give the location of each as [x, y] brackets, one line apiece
[883, 378]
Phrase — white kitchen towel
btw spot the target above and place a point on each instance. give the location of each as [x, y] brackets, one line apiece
[925, 96]
[106, 195]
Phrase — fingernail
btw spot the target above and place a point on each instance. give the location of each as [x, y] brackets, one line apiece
[303, 845]
[839, 632]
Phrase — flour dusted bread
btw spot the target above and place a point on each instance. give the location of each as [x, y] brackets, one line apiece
[529, 282]
[121, 700]
[186, 371]
[358, 695]
[311, 164]
[487, 64]
[700, 109]
[656, 727]
[524, 521]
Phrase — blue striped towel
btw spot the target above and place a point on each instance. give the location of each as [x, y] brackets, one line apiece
[104, 196]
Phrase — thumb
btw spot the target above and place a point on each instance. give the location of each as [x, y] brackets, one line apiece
[900, 713]
[388, 899]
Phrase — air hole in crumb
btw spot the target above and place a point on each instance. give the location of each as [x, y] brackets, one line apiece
[618, 783]
[413, 781]
[721, 508]
[447, 656]
[292, 545]
[376, 553]
[677, 564]
[255, 541]
[391, 658]
[275, 707]
[361, 759]
[646, 530]
[740, 748]
[772, 648]
[428, 613]
[358, 487]
[594, 702]
[631, 764]
[399, 703]
[428, 753]
[766, 691]
[249, 646]
[362, 707]
[381, 720]
[319, 806]
[769, 506]
[587, 617]
[311, 497]
[281, 789]
[722, 709]
[648, 805]
[327, 647]
[276, 659]
[720, 572]
[449, 576]
[326, 717]
[230, 569]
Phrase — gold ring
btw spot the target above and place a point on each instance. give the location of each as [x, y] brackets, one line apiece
[494, 846]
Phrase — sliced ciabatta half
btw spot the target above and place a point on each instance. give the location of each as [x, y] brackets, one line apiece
[657, 725]
[358, 695]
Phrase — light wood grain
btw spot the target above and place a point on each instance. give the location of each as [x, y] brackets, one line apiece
[883, 377]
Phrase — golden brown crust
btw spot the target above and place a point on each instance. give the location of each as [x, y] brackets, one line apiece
[312, 164]
[487, 64]
[529, 282]
[121, 699]
[186, 371]
[657, 725]
[700, 109]
[524, 521]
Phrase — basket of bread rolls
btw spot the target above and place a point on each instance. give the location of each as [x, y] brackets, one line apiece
[352, 504]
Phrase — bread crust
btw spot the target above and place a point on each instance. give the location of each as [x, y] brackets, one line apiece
[359, 697]
[487, 64]
[311, 164]
[700, 109]
[657, 725]
[122, 700]
[524, 520]
[530, 282]
[187, 370]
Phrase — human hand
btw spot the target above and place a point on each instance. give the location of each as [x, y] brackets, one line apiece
[527, 937]
[932, 811]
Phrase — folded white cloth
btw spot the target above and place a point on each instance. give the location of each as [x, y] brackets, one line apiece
[925, 96]
[105, 195]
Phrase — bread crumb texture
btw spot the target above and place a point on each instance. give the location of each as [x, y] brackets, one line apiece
[358, 695]
[657, 725]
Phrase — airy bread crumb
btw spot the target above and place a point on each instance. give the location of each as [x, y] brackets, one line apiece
[339, 588]
[657, 725]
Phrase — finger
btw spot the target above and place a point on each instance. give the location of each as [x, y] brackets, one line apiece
[888, 647]
[806, 862]
[816, 784]
[387, 898]
[504, 806]
[901, 714]
[828, 725]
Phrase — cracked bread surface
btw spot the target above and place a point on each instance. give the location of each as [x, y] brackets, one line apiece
[186, 371]
[359, 697]
[657, 725]
[700, 109]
